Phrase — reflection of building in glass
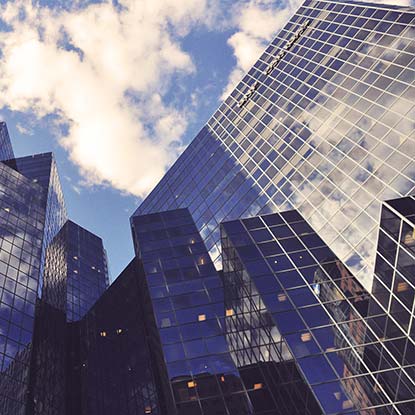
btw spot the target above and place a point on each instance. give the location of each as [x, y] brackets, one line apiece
[392, 306]
[22, 221]
[327, 132]
[34, 282]
[6, 150]
[320, 311]
[186, 295]
[321, 124]
[42, 169]
[86, 268]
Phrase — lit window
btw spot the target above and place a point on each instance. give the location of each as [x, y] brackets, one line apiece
[201, 317]
[222, 378]
[119, 331]
[229, 312]
[93, 267]
[75, 271]
[192, 241]
[306, 337]
[75, 257]
[202, 261]
[103, 334]
[402, 286]
[282, 297]
[147, 410]
[258, 386]
[7, 209]
[191, 384]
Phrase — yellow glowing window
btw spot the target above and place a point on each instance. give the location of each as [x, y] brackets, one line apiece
[147, 410]
[222, 378]
[191, 384]
[202, 261]
[201, 317]
[258, 386]
[229, 312]
[282, 297]
[192, 241]
[103, 334]
[402, 286]
[306, 337]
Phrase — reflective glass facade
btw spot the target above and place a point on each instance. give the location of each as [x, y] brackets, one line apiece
[323, 123]
[22, 219]
[306, 149]
[87, 273]
[38, 282]
[287, 290]
[6, 150]
[42, 169]
[188, 304]
[187, 300]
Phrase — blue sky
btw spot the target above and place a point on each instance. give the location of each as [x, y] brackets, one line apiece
[105, 210]
[117, 89]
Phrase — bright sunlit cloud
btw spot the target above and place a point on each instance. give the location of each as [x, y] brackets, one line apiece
[104, 71]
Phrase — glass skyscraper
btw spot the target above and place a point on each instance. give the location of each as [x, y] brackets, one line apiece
[42, 262]
[6, 150]
[274, 268]
[86, 268]
[323, 123]
[287, 290]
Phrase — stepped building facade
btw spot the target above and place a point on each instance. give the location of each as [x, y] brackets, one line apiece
[274, 267]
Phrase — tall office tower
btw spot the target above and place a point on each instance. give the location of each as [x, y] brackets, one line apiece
[393, 297]
[75, 276]
[42, 169]
[280, 279]
[111, 372]
[197, 374]
[194, 356]
[85, 268]
[323, 123]
[22, 218]
[6, 150]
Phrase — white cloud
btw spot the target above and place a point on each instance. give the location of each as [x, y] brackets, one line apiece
[105, 71]
[24, 129]
[257, 22]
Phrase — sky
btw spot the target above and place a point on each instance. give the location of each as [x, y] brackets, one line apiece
[117, 89]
